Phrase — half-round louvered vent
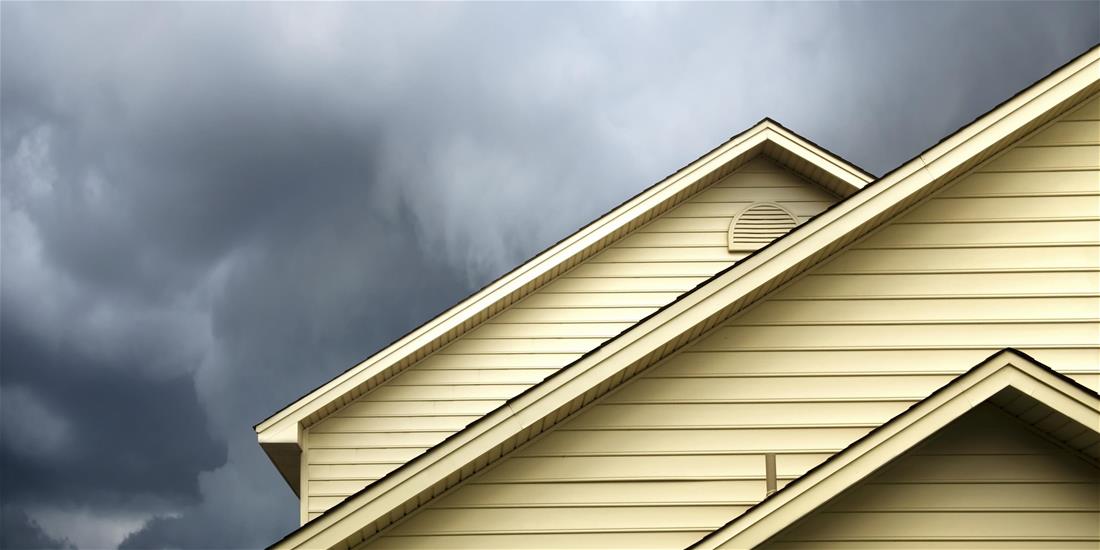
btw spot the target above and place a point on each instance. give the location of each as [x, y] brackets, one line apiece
[759, 225]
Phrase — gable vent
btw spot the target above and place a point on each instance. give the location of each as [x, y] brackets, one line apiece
[760, 224]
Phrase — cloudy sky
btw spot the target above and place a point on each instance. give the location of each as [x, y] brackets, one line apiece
[208, 210]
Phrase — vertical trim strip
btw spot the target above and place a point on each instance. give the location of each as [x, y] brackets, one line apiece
[769, 473]
[303, 480]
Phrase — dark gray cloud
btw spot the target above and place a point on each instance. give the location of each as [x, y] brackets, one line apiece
[98, 435]
[19, 532]
[208, 210]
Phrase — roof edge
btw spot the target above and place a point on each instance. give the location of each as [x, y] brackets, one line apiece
[827, 156]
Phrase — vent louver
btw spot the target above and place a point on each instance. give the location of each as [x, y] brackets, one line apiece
[760, 224]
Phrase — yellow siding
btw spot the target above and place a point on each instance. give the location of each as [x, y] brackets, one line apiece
[984, 481]
[540, 334]
[1005, 257]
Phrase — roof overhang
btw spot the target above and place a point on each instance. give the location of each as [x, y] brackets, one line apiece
[694, 313]
[1010, 379]
[279, 434]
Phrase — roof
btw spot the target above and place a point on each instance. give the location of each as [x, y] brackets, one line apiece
[1011, 379]
[280, 433]
[694, 313]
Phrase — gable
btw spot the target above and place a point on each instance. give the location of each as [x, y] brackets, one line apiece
[809, 370]
[985, 480]
[532, 338]
[280, 435]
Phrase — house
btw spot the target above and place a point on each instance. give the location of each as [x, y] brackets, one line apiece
[768, 348]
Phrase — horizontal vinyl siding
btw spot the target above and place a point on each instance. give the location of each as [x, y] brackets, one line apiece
[984, 480]
[805, 373]
[538, 335]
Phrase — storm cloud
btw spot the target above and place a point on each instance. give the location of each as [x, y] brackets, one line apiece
[210, 209]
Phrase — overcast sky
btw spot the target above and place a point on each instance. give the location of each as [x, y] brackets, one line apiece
[208, 210]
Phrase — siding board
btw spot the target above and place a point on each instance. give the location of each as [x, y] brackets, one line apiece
[987, 234]
[787, 193]
[1069, 132]
[951, 209]
[648, 269]
[854, 312]
[608, 539]
[972, 259]
[946, 284]
[730, 209]
[1024, 183]
[629, 315]
[608, 285]
[579, 519]
[703, 224]
[1066, 157]
[623, 493]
